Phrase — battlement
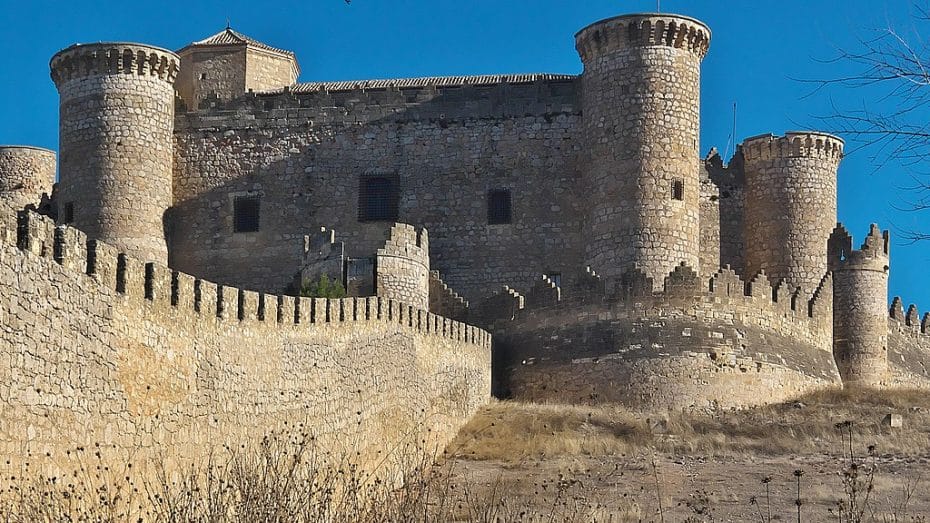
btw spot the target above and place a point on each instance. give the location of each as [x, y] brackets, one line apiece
[113, 58]
[795, 144]
[873, 255]
[634, 288]
[406, 241]
[642, 30]
[26, 174]
[162, 287]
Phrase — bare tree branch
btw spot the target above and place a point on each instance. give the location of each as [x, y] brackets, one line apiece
[892, 71]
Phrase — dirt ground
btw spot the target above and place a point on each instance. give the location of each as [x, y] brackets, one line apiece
[624, 488]
[561, 463]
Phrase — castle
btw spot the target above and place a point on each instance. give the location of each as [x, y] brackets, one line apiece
[571, 218]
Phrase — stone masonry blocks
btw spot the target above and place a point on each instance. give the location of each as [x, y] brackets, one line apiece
[116, 139]
[790, 206]
[26, 173]
[641, 120]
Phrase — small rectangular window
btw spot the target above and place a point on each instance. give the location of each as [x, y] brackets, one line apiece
[203, 76]
[246, 213]
[68, 213]
[678, 190]
[499, 207]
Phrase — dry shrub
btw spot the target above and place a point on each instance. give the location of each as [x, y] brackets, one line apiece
[284, 478]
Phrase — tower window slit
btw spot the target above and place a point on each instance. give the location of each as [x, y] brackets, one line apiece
[678, 190]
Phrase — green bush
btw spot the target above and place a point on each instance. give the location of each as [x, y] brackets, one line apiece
[322, 288]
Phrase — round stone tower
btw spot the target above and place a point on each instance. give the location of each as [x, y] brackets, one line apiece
[641, 91]
[790, 207]
[116, 142]
[25, 174]
[860, 306]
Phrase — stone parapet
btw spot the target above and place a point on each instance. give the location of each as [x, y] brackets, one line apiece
[795, 144]
[643, 30]
[113, 58]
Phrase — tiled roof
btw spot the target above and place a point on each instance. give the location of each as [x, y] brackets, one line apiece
[230, 37]
[427, 81]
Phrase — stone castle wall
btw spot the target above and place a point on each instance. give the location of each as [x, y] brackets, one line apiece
[205, 73]
[697, 344]
[116, 137]
[641, 103]
[266, 71]
[99, 348]
[908, 348]
[304, 154]
[26, 173]
[730, 182]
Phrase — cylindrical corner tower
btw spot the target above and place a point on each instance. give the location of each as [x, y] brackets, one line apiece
[641, 91]
[116, 142]
[860, 307]
[25, 174]
[790, 207]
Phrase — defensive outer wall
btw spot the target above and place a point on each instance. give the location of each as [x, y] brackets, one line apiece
[98, 347]
[698, 343]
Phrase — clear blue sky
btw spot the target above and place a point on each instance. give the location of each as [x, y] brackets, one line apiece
[758, 49]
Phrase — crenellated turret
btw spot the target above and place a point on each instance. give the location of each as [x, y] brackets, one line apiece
[116, 138]
[26, 173]
[641, 118]
[790, 205]
[860, 317]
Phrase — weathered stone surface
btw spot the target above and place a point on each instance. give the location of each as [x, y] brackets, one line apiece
[116, 139]
[146, 359]
[26, 173]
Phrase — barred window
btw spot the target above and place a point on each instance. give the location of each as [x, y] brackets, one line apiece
[499, 207]
[378, 198]
[246, 213]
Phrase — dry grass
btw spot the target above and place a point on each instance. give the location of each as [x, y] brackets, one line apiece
[282, 479]
[816, 423]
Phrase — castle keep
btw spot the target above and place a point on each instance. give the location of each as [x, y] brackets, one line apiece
[568, 220]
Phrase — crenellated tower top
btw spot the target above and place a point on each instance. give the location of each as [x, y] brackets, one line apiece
[643, 30]
[110, 58]
[873, 255]
[795, 144]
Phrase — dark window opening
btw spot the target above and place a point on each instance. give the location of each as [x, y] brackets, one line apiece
[203, 76]
[499, 207]
[378, 198]
[68, 213]
[678, 190]
[246, 213]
